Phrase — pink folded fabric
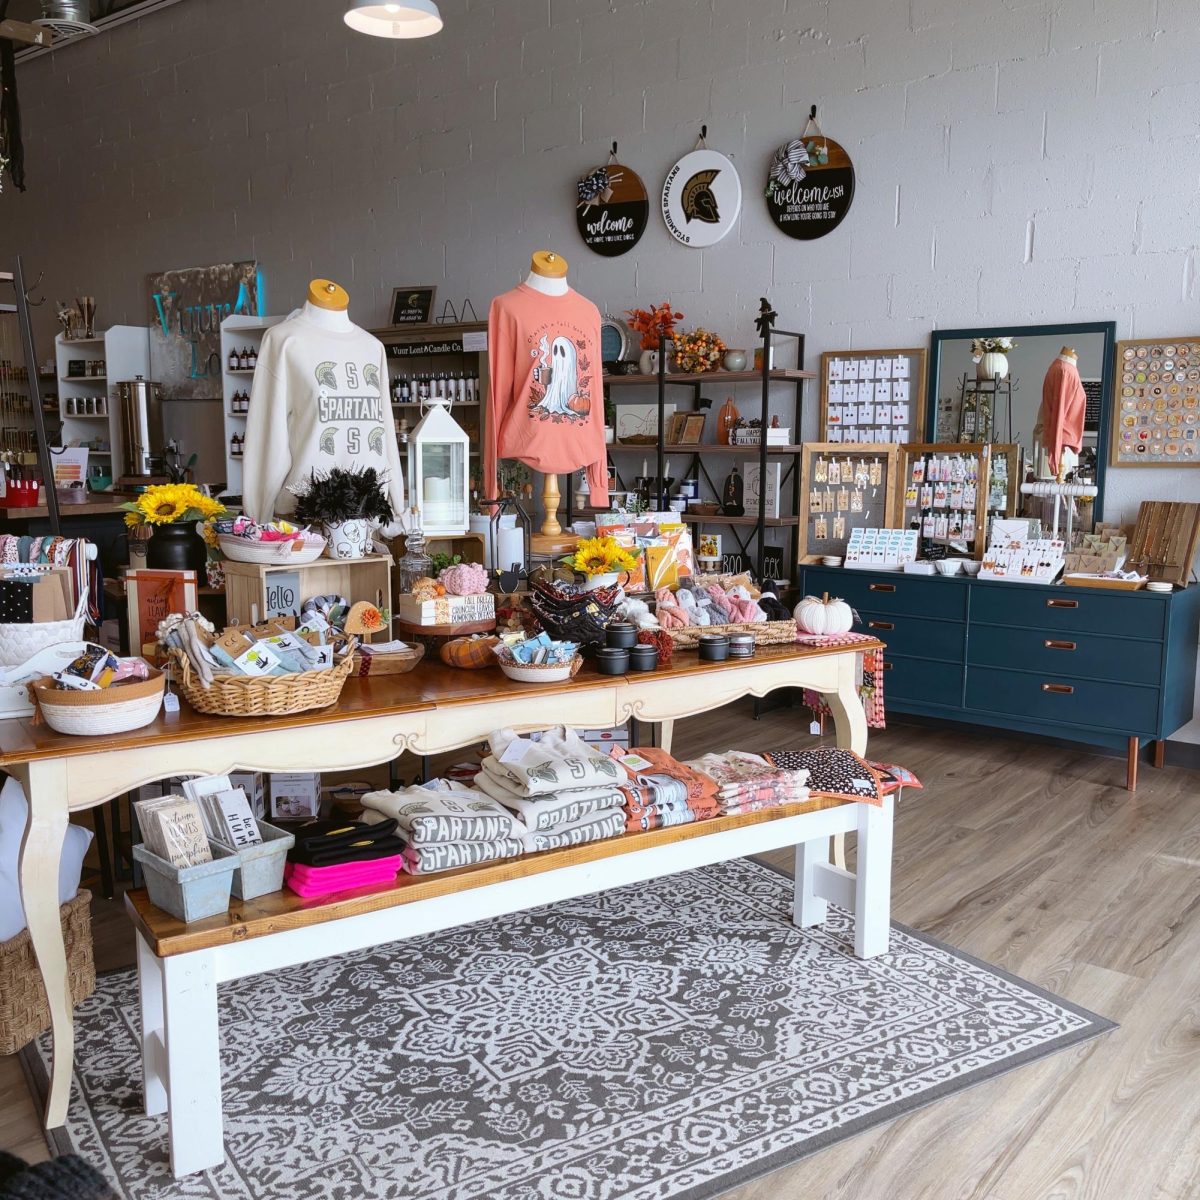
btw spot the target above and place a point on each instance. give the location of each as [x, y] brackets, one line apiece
[321, 881]
[669, 611]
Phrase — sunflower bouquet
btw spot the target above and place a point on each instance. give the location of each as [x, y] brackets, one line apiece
[171, 503]
[698, 351]
[600, 556]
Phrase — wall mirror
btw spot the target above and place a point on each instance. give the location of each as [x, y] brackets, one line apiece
[996, 396]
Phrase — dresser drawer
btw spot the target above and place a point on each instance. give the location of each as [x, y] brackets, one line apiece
[1080, 655]
[916, 637]
[1070, 609]
[894, 593]
[921, 680]
[1063, 700]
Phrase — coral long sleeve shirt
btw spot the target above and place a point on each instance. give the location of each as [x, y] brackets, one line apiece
[546, 395]
[1064, 406]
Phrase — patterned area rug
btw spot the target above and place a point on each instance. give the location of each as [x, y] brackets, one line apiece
[672, 1039]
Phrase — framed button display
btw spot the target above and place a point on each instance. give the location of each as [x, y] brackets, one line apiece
[1156, 403]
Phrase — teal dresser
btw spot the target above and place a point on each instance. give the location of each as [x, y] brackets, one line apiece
[1108, 668]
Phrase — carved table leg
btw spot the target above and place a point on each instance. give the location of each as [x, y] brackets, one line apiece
[850, 725]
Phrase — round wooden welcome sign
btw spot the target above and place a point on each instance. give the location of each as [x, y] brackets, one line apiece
[612, 210]
[810, 187]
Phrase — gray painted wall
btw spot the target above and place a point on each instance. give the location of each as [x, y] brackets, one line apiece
[1017, 161]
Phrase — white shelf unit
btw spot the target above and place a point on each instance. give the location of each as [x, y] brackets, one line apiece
[125, 350]
[236, 333]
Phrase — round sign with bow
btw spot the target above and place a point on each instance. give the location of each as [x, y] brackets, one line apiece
[612, 209]
[701, 198]
[810, 185]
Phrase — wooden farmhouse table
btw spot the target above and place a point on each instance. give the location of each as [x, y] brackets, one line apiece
[432, 709]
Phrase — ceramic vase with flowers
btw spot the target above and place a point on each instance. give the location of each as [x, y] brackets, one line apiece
[600, 562]
[657, 326]
[172, 512]
[990, 355]
[347, 505]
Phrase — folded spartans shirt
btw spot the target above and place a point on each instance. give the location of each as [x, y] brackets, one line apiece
[546, 400]
[320, 399]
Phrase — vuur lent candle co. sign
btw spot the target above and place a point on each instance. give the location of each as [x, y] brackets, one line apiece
[186, 311]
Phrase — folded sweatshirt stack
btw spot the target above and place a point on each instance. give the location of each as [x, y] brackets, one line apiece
[749, 783]
[561, 790]
[334, 856]
[661, 791]
[446, 824]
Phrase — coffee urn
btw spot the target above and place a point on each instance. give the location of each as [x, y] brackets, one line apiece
[142, 437]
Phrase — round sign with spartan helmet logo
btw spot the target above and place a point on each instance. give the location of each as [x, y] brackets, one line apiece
[701, 198]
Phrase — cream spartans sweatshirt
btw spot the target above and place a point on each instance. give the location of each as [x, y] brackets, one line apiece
[320, 399]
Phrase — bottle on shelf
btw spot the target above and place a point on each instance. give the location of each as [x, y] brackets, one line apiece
[244, 360]
[414, 563]
[233, 360]
[405, 394]
[235, 446]
[253, 358]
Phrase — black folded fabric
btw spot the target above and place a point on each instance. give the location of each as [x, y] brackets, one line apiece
[333, 843]
[317, 835]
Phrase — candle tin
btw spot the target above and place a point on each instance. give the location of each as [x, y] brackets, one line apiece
[643, 658]
[612, 661]
[714, 647]
[621, 635]
[741, 645]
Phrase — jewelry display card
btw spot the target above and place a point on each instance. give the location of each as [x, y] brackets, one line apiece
[867, 396]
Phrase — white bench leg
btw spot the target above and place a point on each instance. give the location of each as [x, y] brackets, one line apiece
[193, 1063]
[666, 735]
[154, 1048]
[808, 908]
[873, 882]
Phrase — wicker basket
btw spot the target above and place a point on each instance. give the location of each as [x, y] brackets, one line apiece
[24, 1012]
[270, 696]
[295, 552]
[766, 633]
[117, 709]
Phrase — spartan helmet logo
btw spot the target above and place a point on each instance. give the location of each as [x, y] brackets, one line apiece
[699, 201]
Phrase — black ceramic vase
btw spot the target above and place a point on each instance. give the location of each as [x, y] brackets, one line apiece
[177, 547]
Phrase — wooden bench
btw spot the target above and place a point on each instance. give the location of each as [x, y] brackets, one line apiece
[180, 966]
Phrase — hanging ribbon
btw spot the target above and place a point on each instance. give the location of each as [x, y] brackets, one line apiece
[596, 186]
[787, 167]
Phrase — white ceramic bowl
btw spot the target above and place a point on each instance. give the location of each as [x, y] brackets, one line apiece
[971, 566]
[831, 560]
[949, 566]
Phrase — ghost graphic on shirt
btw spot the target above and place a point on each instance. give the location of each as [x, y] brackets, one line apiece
[563, 384]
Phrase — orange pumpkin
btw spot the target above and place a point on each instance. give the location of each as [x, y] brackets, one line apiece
[580, 404]
[470, 654]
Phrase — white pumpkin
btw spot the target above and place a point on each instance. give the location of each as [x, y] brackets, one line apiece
[821, 615]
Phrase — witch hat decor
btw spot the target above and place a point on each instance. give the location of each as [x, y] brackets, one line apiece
[702, 196]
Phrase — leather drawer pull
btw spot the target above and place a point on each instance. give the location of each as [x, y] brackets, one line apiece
[887, 666]
[1051, 645]
[881, 587]
[880, 625]
[1059, 689]
[1062, 603]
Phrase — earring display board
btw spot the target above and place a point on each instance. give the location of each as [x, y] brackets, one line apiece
[1156, 403]
[942, 491]
[844, 487]
[875, 396]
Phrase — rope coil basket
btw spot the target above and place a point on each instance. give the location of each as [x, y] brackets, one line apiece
[766, 633]
[267, 696]
[303, 548]
[117, 709]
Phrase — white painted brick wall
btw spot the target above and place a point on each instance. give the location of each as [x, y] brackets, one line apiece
[1020, 161]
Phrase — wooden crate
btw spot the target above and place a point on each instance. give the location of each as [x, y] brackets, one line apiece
[254, 591]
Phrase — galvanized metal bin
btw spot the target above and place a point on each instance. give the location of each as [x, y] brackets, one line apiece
[189, 893]
[260, 868]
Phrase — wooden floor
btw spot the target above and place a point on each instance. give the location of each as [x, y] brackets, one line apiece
[1036, 859]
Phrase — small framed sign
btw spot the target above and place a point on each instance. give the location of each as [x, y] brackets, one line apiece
[413, 305]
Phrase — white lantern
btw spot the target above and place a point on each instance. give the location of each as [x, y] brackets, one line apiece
[437, 473]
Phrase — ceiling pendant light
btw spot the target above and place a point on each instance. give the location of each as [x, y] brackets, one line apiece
[394, 18]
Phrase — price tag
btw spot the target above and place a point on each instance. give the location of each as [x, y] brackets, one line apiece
[815, 728]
